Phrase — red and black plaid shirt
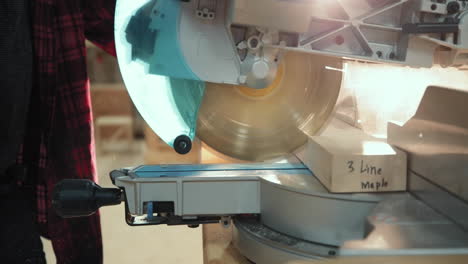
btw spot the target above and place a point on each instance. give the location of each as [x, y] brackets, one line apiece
[60, 143]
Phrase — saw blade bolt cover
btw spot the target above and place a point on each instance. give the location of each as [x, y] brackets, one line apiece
[260, 69]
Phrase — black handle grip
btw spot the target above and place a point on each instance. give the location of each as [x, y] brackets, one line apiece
[428, 28]
[78, 198]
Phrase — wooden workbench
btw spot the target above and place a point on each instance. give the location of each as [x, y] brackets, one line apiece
[217, 246]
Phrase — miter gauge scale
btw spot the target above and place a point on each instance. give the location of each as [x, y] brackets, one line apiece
[193, 74]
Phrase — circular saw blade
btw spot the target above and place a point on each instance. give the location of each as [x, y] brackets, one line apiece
[259, 125]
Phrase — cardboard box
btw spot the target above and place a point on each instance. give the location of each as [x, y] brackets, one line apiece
[102, 67]
[111, 100]
[351, 162]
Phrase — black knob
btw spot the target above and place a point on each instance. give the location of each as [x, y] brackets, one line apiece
[78, 198]
[182, 144]
[453, 7]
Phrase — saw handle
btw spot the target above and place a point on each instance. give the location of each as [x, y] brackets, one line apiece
[79, 198]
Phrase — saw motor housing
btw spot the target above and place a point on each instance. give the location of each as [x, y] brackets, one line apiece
[241, 42]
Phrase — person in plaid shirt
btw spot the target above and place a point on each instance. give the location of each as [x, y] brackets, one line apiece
[47, 132]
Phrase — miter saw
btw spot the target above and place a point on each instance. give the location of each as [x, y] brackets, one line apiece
[255, 80]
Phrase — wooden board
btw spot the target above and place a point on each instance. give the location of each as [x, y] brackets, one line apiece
[349, 161]
[218, 248]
